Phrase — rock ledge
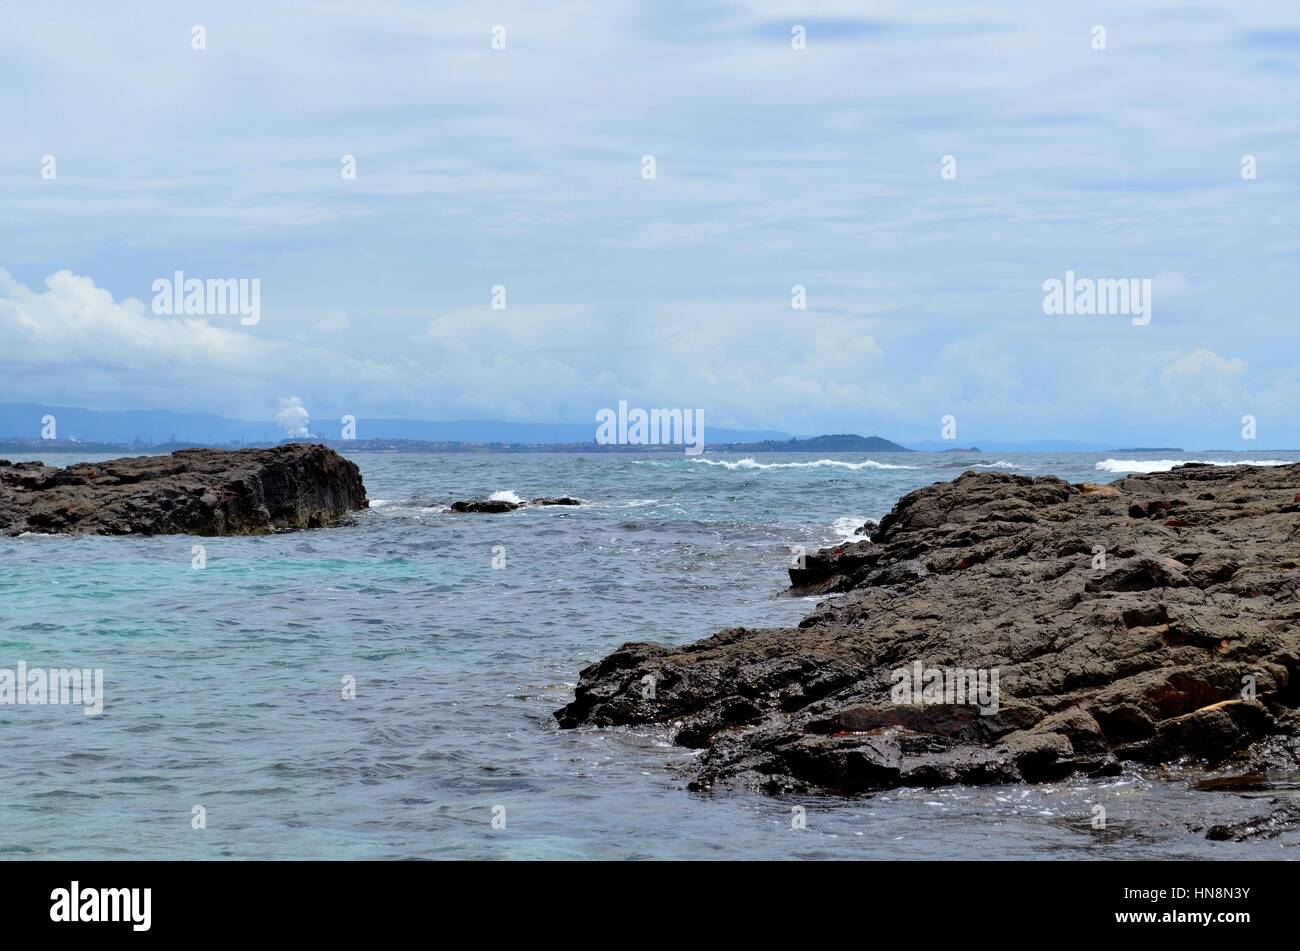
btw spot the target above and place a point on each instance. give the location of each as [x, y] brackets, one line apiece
[193, 491]
[1155, 619]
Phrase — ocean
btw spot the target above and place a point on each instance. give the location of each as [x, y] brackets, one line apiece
[225, 732]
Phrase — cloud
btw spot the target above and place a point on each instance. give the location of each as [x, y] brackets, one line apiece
[1203, 380]
[775, 167]
[73, 342]
[75, 323]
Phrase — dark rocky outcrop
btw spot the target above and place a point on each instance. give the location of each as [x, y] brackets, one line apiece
[1182, 643]
[485, 506]
[839, 568]
[494, 506]
[193, 492]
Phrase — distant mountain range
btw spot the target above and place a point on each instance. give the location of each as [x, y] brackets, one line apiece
[20, 421]
[21, 424]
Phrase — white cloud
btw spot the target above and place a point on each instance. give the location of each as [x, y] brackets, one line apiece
[74, 323]
[775, 167]
[73, 343]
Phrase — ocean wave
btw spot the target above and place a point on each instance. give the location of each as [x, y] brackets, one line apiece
[623, 503]
[1164, 465]
[505, 495]
[848, 525]
[749, 463]
[405, 508]
[1000, 464]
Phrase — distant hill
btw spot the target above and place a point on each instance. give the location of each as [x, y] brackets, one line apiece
[842, 442]
[21, 421]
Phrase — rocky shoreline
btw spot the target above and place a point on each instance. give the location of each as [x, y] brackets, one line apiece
[192, 492]
[1074, 628]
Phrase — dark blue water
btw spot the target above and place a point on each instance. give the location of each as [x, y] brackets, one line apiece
[224, 685]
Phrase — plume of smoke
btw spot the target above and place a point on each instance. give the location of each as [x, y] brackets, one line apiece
[293, 417]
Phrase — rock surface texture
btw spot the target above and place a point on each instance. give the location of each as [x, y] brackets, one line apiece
[1154, 620]
[193, 491]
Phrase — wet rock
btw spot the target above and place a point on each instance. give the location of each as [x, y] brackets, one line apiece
[1141, 656]
[831, 569]
[193, 491]
[496, 506]
[1284, 818]
[485, 506]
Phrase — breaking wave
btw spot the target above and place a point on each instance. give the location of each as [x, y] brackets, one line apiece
[819, 464]
[1164, 465]
[847, 527]
[1000, 464]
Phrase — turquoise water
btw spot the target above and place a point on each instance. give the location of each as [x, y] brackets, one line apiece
[224, 685]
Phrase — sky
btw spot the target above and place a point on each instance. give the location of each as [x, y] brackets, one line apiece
[524, 168]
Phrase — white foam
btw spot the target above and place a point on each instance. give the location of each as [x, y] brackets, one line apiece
[749, 463]
[848, 526]
[505, 495]
[1164, 465]
[1000, 464]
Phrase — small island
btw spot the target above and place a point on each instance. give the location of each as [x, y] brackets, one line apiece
[841, 442]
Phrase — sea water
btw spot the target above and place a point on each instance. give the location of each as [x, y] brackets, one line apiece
[227, 730]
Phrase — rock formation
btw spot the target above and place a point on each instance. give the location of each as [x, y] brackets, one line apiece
[193, 491]
[1154, 620]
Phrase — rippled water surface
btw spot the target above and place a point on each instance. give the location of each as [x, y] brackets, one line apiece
[224, 685]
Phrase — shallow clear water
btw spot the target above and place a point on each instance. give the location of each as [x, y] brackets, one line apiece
[224, 685]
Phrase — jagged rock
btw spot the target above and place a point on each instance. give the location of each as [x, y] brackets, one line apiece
[831, 569]
[1182, 643]
[193, 492]
[867, 528]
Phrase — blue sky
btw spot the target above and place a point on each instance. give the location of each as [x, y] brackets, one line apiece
[774, 167]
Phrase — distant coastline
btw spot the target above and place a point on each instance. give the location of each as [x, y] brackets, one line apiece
[834, 444]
